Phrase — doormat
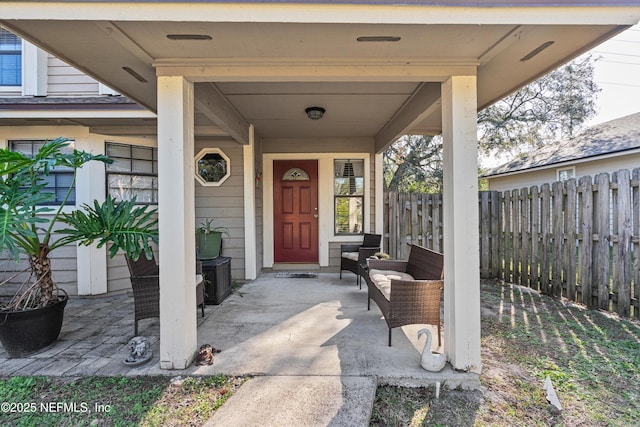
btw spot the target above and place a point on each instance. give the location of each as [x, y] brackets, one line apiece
[289, 275]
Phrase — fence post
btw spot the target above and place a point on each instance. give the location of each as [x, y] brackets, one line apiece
[426, 218]
[636, 241]
[602, 247]
[570, 242]
[557, 218]
[586, 246]
[515, 226]
[535, 238]
[415, 223]
[545, 247]
[496, 262]
[485, 251]
[622, 262]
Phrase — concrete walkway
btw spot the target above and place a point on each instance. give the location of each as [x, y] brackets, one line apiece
[316, 353]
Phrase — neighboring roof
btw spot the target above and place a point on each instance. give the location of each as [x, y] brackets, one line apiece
[614, 136]
[57, 102]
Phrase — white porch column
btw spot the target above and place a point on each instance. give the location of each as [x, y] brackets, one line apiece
[90, 185]
[379, 196]
[461, 235]
[176, 215]
[249, 164]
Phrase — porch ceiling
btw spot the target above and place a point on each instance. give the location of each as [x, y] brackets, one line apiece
[269, 72]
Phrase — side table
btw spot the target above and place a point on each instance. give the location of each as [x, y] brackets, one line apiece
[217, 279]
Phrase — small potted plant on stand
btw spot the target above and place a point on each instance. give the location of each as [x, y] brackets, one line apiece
[33, 318]
[209, 240]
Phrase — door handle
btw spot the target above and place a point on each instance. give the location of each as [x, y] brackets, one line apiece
[315, 215]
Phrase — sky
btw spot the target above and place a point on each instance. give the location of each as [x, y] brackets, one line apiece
[617, 73]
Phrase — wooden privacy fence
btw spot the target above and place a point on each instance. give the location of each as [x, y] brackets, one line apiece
[577, 239]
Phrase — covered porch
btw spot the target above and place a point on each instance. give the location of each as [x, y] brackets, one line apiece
[249, 71]
[270, 327]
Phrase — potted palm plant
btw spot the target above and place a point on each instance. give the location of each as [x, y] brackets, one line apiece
[32, 319]
[209, 240]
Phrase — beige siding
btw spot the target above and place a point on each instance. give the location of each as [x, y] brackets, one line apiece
[12, 92]
[63, 264]
[117, 274]
[259, 207]
[225, 204]
[522, 180]
[371, 210]
[539, 177]
[64, 80]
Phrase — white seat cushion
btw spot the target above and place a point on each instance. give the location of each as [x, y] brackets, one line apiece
[382, 280]
[350, 255]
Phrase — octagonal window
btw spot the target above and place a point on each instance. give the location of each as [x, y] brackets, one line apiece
[213, 167]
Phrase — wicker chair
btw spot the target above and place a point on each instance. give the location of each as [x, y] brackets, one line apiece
[412, 299]
[353, 255]
[145, 282]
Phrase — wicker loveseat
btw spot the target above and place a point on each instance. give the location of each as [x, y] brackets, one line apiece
[352, 255]
[145, 282]
[408, 292]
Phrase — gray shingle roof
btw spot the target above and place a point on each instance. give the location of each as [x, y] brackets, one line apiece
[614, 136]
[54, 102]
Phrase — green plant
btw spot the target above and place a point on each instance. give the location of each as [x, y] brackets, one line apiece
[207, 227]
[27, 226]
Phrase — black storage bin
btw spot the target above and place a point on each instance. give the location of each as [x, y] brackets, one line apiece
[217, 279]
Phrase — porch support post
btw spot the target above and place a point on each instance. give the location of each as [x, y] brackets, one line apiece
[379, 197]
[176, 215]
[90, 185]
[250, 248]
[461, 235]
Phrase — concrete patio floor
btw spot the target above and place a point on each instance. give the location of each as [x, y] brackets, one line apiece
[316, 353]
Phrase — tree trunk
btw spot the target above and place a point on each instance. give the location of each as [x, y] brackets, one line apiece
[41, 267]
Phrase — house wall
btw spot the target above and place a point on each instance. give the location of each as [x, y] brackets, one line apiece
[225, 203]
[259, 206]
[65, 80]
[547, 175]
[325, 150]
[64, 259]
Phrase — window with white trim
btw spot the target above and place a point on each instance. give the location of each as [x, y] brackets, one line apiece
[10, 59]
[566, 173]
[134, 172]
[60, 178]
[348, 191]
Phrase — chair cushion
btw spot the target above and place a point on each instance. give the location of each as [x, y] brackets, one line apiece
[382, 280]
[350, 255]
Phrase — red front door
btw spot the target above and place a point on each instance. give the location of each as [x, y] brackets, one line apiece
[295, 204]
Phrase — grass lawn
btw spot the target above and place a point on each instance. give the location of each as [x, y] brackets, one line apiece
[113, 401]
[593, 359]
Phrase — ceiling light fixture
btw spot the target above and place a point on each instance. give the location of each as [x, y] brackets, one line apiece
[189, 37]
[315, 113]
[536, 51]
[135, 75]
[379, 39]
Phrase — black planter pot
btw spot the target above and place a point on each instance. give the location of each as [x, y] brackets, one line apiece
[25, 332]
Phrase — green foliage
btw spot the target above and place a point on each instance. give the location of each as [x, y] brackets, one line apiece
[551, 107]
[207, 227]
[413, 164]
[26, 227]
[554, 106]
[127, 227]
